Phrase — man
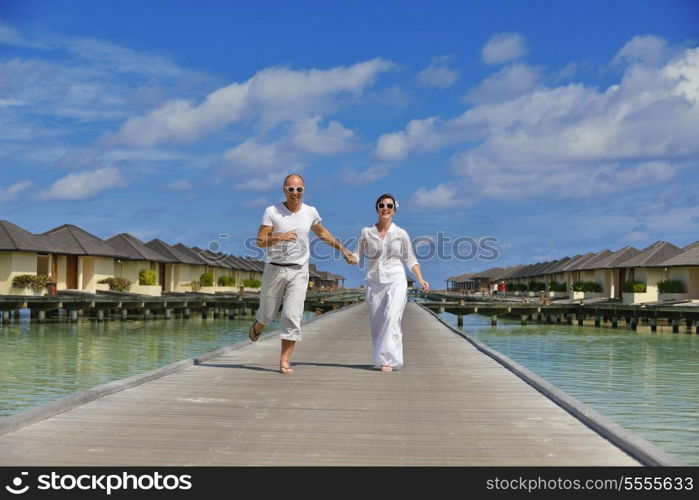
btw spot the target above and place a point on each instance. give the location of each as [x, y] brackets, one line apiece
[284, 233]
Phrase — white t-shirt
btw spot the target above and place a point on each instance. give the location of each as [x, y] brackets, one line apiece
[283, 220]
[386, 257]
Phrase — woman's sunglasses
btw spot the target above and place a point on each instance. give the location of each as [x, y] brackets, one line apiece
[387, 205]
[292, 188]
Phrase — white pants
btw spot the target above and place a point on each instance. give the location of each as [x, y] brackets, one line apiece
[287, 285]
[386, 303]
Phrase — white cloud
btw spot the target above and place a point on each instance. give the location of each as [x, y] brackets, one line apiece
[12, 192]
[308, 137]
[121, 59]
[509, 83]
[646, 49]
[272, 96]
[84, 185]
[438, 74]
[439, 197]
[504, 47]
[569, 140]
[368, 176]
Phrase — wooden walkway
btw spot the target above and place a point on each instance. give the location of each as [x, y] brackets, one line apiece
[450, 405]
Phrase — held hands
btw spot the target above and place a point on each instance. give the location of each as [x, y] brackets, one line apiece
[351, 258]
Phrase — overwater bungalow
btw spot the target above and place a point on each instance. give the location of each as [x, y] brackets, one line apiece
[184, 269]
[683, 267]
[137, 258]
[645, 268]
[80, 259]
[323, 279]
[604, 271]
[22, 252]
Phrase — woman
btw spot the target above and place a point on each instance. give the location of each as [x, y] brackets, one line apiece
[387, 248]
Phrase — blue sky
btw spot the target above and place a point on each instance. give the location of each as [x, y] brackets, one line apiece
[555, 127]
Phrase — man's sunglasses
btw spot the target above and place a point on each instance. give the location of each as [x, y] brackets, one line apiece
[291, 189]
[387, 205]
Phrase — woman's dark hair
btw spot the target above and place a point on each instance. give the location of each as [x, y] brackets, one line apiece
[386, 195]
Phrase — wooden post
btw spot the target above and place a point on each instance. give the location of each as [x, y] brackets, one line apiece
[494, 320]
[597, 321]
[653, 325]
[6, 315]
[614, 322]
[581, 319]
[204, 312]
[634, 323]
[168, 313]
[146, 314]
[100, 315]
[460, 320]
[73, 316]
[185, 312]
[569, 319]
[42, 316]
[675, 326]
[523, 319]
[124, 313]
[689, 325]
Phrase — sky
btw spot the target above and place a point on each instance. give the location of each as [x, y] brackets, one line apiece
[510, 132]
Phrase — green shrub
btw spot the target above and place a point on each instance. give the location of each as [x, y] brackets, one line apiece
[671, 286]
[252, 283]
[634, 287]
[586, 286]
[207, 279]
[555, 286]
[147, 277]
[117, 284]
[36, 282]
[226, 281]
[517, 287]
[537, 286]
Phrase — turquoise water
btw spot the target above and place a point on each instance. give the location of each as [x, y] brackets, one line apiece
[646, 382]
[43, 362]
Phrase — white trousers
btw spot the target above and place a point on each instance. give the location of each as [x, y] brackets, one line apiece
[285, 285]
[386, 304]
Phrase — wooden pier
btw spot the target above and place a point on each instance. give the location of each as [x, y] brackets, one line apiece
[608, 313]
[451, 405]
[104, 305]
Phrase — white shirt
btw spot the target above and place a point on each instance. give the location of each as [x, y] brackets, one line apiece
[386, 257]
[283, 220]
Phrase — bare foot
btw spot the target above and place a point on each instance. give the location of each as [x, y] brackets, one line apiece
[386, 369]
[285, 368]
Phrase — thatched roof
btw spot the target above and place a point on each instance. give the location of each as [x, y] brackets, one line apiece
[594, 261]
[524, 271]
[691, 245]
[561, 267]
[72, 240]
[16, 239]
[213, 259]
[652, 255]
[190, 253]
[686, 258]
[134, 249]
[172, 253]
[611, 260]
